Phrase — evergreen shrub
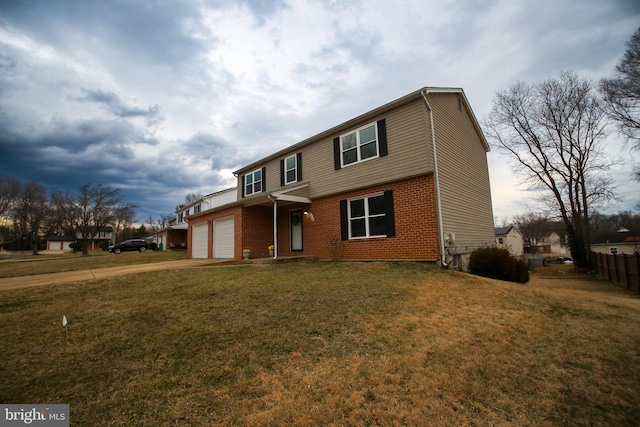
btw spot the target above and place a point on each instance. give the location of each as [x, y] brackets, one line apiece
[497, 263]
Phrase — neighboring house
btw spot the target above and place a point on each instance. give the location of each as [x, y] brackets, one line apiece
[552, 244]
[549, 244]
[510, 238]
[175, 235]
[59, 243]
[405, 181]
[614, 243]
[104, 235]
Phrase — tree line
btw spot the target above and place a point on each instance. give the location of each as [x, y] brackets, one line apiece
[28, 212]
[555, 133]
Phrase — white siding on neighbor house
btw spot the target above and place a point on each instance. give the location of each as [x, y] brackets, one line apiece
[223, 235]
[219, 199]
[200, 241]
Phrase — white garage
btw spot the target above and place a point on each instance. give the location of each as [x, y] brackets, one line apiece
[200, 240]
[55, 246]
[223, 235]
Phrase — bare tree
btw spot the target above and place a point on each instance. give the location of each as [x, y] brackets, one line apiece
[9, 190]
[554, 133]
[124, 215]
[163, 221]
[189, 199]
[152, 224]
[60, 205]
[621, 94]
[30, 210]
[92, 209]
[192, 197]
[534, 226]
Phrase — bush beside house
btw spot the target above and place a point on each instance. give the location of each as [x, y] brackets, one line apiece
[497, 263]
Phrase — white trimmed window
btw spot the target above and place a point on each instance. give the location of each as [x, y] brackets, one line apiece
[253, 182]
[290, 170]
[367, 217]
[359, 145]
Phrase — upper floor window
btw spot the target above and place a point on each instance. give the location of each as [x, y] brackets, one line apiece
[197, 208]
[365, 143]
[291, 169]
[253, 182]
[359, 145]
[500, 241]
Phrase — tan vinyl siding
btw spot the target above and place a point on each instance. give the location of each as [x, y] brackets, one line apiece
[409, 147]
[463, 174]
[409, 155]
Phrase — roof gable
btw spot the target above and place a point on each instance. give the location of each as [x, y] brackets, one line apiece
[368, 116]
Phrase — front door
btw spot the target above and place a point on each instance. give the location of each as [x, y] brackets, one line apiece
[295, 229]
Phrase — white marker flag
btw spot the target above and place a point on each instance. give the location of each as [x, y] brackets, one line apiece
[64, 320]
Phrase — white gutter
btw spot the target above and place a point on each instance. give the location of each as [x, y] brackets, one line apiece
[275, 227]
[437, 180]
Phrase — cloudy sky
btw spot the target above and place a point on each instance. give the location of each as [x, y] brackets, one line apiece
[164, 98]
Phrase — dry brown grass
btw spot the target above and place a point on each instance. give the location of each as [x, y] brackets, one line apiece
[326, 344]
[42, 264]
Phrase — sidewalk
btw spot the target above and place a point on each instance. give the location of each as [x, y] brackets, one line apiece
[100, 273]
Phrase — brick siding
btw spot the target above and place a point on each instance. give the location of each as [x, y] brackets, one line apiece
[415, 223]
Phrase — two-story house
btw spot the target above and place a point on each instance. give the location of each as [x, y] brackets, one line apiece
[98, 237]
[174, 236]
[405, 181]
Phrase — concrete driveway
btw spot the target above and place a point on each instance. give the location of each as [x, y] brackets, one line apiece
[100, 273]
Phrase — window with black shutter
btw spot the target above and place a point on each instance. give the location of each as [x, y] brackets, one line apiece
[369, 216]
[362, 144]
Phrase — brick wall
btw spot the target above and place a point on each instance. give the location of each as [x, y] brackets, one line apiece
[415, 222]
[257, 230]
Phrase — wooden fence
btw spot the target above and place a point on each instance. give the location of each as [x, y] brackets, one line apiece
[621, 269]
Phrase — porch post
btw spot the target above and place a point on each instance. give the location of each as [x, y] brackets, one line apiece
[275, 229]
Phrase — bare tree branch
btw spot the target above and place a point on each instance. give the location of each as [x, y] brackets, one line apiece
[553, 133]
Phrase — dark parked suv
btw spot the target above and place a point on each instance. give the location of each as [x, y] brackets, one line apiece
[129, 245]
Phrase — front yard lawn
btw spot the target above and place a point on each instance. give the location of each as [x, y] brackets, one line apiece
[323, 343]
[42, 264]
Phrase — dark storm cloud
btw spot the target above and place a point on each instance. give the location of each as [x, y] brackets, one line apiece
[139, 30]
[162, 98]
[115, 105]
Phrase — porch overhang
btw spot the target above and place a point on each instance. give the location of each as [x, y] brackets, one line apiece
[285, 196]
[290, 198]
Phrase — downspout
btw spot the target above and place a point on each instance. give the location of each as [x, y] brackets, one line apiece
[436, 181]
[275, 227]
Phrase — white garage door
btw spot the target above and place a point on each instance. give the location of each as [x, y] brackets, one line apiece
[223, 238]
[55, 246]
[200, 240]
